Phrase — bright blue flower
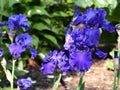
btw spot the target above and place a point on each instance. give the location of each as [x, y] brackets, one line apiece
[93, 37]
[23, 40]
[99, 54]
[24, 84]
[16, 50]
[63, 61]
[94, 18]
[77, 12]
[1, 52]
[68, 30]
[33, 52]
[79, 37]
[3, 24]
[18, 21]
[106, 25]
[81, 61]
[49, 63]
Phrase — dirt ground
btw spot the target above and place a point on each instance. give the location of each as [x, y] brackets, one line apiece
[97, 78]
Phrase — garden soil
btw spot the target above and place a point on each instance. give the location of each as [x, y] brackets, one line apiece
[97, 78]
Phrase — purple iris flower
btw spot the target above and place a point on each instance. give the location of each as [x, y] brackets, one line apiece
[79, 37]
[24, 84]
[68, 30]
[81, 61]
[33, 52]
[93, 36]
[1, 52]
[18, 21]
[23, 40]
[16, 50]
[99, 54]
[63, 61]
[49, 63]
[3, 24]
[106, 25]
[94, 18]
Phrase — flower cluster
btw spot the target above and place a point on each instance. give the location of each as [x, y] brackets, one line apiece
[22, 41]
[24, 84]
[81, 40]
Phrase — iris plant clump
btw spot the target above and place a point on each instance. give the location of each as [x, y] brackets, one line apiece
[81, 40]
[19, 44]
[22, 41]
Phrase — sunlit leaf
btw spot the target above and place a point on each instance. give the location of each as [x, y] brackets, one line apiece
[83, 3]
[12, 2]
[40, 26]
[37, 10]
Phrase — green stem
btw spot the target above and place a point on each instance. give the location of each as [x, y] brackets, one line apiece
[56, 84]
[13, 70]
[81, 83]
[115, 79]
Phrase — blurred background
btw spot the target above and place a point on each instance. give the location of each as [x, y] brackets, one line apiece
[49, 18]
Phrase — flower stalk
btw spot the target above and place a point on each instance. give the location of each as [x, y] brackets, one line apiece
[81, 84]
[56, 84]
[13, 71]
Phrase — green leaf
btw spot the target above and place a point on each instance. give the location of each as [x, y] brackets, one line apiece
[35, 41]
[56, 84]
[37, 10]
[81, 84]
[60, 14]
[109, 65]
[12, 2]
[106, 3]
[6, 88]
[51, 38]
[83, 3]
[40, 26]
[112, 52]
[49, 3]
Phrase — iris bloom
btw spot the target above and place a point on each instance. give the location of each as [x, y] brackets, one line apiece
[93, 18]
[16, 50]
[23, 39]
[22, 42]
[24, 84]
[18, 21]
[81, 61]
[49, 63]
